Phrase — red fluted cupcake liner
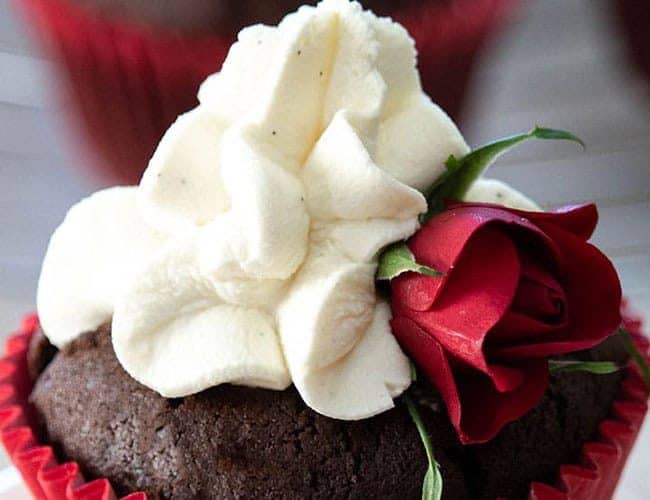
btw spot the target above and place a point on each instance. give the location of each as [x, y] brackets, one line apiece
[43, 475]
[595, 478]
[602, 460]
[125, 83]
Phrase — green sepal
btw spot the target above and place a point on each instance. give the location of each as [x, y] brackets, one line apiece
[398, 259]
[636, 356]
[414, 371]
[595, 367]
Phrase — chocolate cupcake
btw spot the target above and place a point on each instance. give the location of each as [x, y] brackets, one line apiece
[238, 442]
[314, 292]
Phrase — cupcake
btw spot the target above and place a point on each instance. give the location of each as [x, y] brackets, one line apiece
[130, 67]
[314, 292]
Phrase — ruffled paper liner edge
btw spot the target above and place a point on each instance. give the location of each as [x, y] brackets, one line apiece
[594, 478]
[602, 459]
[124, 84]
[42, 474]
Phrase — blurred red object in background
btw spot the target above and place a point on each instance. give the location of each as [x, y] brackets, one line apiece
[125, 83]
[635, 17]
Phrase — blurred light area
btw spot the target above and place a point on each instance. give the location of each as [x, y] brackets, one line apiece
[565, 64]
[41, 175]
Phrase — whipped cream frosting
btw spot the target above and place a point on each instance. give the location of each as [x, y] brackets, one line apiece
[247, 254]
[485, 190]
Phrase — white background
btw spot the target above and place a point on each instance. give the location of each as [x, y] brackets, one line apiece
[560, 63]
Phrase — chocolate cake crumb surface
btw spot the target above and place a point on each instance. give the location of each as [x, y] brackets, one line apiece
[239, 442]
[226, 442]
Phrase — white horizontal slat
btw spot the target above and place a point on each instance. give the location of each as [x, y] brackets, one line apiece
[624, 229]
[12, 34]
[545, 32]
[34, 197]
[639, 303]
[25, 179]
[18, 279]
[24, 80]
[559, 80]
[602, 125]
[26, 236]
[634, 271]
[538, 39]
[614, 178]
[32, 132]
[556, 71]
[11, 312]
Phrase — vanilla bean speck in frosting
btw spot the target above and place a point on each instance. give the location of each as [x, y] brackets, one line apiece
[247, 254]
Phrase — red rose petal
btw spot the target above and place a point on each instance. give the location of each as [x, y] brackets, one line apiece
[477, 409]
[580, 220]
[504, 378]
[440, 243]
[431, 358]
[594, 296]
[539, 301]
[485, 410]
[477, 294]
[416, 291]
[515, 327]
[539, 293]
[539, 308]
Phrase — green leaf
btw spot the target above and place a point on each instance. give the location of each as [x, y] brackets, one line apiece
[432, 484]
[556, 134]
[461, 174]
[414, 371]
[596, 367]
[398, 259]
[636, 356]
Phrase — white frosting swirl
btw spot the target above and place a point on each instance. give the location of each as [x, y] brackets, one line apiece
[247, 254]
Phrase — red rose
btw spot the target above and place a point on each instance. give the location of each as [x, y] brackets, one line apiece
[518, 287]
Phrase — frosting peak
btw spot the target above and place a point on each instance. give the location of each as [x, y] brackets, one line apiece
[247, 254]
